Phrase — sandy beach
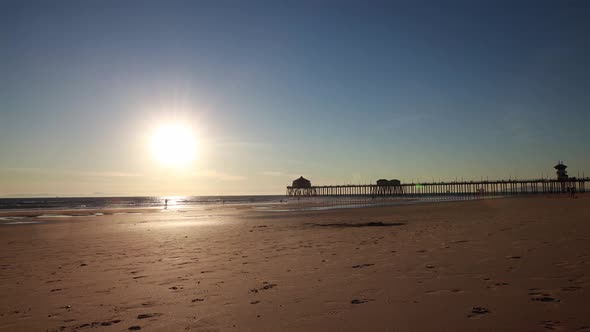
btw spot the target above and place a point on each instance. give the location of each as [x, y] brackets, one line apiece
[513, 264]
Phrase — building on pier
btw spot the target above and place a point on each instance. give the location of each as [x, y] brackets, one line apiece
[388, 187]
[301, 187]
[301, 183]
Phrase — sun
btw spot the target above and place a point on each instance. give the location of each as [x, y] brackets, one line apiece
[174, 145]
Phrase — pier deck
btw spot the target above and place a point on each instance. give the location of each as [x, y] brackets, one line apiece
[498, 187]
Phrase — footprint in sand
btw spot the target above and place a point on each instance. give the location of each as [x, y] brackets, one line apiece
[544, 299]
[452, 290]
[144, 316]
[550, 324]
[478, 311]
[109, 323]
[360, 301]
[498, 284]
[96, 324]
[134, 328]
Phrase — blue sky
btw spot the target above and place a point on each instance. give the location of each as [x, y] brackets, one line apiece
[338, 91]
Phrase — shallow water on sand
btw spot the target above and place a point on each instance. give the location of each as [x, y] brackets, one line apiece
[330, 203]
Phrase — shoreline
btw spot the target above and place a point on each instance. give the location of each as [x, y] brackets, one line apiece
[287, 206]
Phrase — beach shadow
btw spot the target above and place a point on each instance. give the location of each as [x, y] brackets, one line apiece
[367, 224]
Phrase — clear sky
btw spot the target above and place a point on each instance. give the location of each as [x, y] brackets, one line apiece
[337, 91]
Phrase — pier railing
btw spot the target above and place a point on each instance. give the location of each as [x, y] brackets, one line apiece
[492, 188]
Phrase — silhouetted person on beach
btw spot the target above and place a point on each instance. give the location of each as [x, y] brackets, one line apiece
[165, 204]
[573, 192]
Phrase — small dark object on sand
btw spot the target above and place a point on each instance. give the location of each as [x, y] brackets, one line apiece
[480, 310]
[134, 328]
[357, 301]
[198, 300]
[268, 286]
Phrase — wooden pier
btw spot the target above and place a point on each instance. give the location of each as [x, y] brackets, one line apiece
[454, 188]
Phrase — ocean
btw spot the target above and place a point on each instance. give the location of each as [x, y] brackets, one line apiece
[188, 201]
[129, 202]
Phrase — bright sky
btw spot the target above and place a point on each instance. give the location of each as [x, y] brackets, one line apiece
[337, 91]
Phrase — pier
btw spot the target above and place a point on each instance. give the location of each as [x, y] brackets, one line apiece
[459, 188]
[560, 185]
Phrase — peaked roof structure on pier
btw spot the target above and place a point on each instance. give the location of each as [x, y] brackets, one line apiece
[302, 183]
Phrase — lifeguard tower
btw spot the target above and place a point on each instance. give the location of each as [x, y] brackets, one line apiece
[561, 172]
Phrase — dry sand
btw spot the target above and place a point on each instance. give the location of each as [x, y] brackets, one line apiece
[515, 264]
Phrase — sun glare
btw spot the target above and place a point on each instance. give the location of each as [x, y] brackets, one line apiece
[174, 145]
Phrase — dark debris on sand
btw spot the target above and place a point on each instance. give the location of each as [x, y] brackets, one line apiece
[266, 286]
[366, 224]
[480, 310]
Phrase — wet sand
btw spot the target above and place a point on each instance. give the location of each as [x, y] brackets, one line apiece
[514, 264]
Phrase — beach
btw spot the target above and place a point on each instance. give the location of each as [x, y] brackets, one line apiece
[507, 264]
